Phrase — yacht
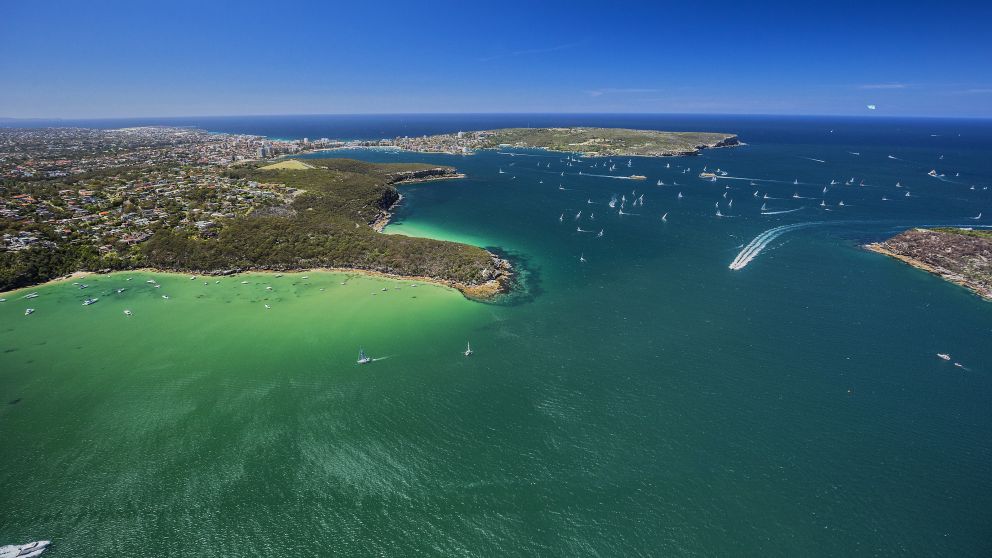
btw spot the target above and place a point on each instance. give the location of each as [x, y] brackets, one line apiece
[468, 349]
[29, 311]
[944, 356]
[363, 358]
[29, 550]
[89, 301]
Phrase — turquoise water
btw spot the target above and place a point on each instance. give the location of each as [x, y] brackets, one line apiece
[647, 401]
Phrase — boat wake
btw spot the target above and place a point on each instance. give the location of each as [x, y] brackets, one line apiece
[783, 211]
[760, 242]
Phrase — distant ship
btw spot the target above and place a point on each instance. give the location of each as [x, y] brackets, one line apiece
[363, 358]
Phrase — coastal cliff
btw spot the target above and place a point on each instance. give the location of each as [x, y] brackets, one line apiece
[961, 256]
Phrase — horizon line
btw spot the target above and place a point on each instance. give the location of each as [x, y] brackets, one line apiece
[494, 113]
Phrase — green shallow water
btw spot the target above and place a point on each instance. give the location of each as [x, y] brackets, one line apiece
[649, 401]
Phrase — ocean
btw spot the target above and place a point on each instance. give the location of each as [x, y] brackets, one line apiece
[633, 396]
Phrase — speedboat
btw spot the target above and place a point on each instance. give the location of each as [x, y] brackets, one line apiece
[152, 281]
[89, 301]
[363, 358]
[29, 550]
[468, 349]
[29, 311]
[119, 291]
[166, 297]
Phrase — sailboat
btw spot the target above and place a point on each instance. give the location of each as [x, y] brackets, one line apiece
[599, 234]
[582, 258]
[468, 349]
[680, 195]
[979, 216]
[561, 217]
[363, 358]
[764, 207]
[664, 218]
[660, 183]
[501, 171]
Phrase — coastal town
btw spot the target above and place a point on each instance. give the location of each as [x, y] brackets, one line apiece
[111, 188]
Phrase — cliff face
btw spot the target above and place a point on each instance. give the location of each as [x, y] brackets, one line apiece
[961, 256]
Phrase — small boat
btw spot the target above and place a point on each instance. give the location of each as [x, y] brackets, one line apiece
[795, 182]
[718, 214]
[305, 277]
[29, 550]
[907, 194]
[151, 281]
[166, 297]
[898, 185]
[501, 171]
[468, 349]
[31, 295]
[795, 196]
[192, 278]
[29, 311]
[128, 313]
[944, 356]
[600, 233]
[119, 291]
[933, 173]
[363, 358]
[3, 300]
[841, 203]
[158, 286]
[660, 183]
[680, 195]
[975, 218]
[823, 203]
[764, 207]
[244, 282]
[664, 218]
[268, 288]
[89, 301]
[755, 194]
[561, 217]
[267, 307]
[582, 258]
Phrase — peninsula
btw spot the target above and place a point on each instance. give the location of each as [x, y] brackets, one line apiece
[591, 142]
[962, 256]
[182, 200]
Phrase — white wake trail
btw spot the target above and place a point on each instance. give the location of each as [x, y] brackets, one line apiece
[760, 242]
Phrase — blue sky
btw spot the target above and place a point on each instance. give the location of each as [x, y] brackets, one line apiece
[115, 59]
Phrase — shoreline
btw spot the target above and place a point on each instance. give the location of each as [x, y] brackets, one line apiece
[485, 292]
[945, 274]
